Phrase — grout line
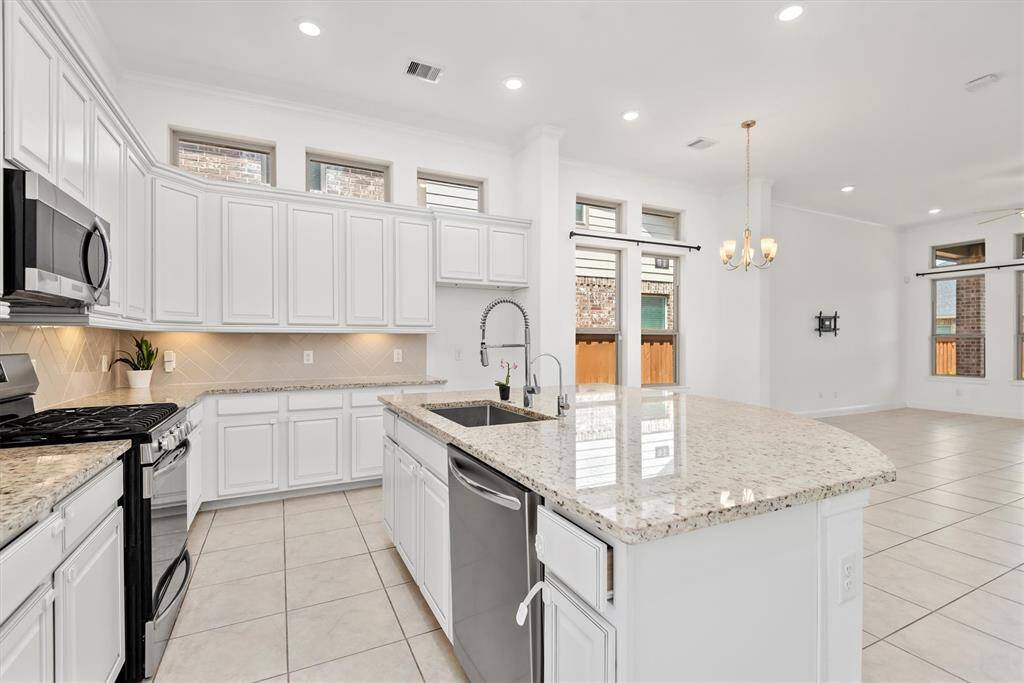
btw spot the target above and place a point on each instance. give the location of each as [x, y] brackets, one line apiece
[915, 656]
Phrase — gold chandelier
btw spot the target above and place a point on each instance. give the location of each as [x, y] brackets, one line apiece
[769, 247]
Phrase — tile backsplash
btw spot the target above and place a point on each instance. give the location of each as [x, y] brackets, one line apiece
[68, 359]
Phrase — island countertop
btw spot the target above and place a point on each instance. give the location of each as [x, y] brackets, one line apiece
[644, 464]
[35, 478]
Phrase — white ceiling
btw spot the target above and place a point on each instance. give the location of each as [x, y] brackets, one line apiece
[862, 93]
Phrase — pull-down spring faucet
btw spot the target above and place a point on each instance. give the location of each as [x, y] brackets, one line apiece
[528, 389]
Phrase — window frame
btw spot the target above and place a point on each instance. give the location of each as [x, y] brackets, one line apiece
[600, 204]
[332, 159]
[616, 331]
[179, 135]
[936, 247]
[1019, 246]
[676, 216]
[669, 332]
[1019, 347]
[464, 181]
[935, 337]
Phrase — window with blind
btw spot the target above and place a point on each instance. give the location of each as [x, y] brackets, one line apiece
[233, 161]
[450, 193]
[346, 178]
[598, 217]
[958, 327]
[660, 226]
[659, 312]
[597, 316]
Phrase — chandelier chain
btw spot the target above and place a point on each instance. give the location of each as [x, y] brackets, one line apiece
[747, 225]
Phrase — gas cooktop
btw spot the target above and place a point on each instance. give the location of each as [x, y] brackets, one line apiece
[66, 425]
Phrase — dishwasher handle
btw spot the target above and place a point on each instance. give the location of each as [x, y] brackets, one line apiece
[504, 500]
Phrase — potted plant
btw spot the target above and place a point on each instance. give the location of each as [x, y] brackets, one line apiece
[503, 385]
[141, 365]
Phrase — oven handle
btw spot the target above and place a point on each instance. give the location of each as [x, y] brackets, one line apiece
[163, 589]
[166, 462]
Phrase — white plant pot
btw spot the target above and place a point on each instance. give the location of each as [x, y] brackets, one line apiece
[139, 379]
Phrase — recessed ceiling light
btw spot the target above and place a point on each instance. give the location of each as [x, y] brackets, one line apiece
[790, 13]
[847, 188]
[309, 28]
[934, 211]
[631, 115]
[513, 82]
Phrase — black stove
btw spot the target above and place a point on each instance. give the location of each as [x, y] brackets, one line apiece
[70, 425]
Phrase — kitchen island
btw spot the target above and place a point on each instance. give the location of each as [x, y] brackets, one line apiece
[731, 535]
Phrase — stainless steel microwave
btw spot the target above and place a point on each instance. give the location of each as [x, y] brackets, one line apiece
[56, 251]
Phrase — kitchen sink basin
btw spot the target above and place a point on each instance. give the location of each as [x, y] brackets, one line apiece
[484, 415]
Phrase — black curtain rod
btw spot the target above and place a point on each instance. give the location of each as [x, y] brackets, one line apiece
[964, 270]
[619, 238]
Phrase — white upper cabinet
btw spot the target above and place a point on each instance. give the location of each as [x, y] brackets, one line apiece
[108, 199]
[135, 238]
[314, 260]
[506, 256]
[30, 90]
[74, 116]
[178, 271]
[250, 261]
[482, 251]
[414, 273]
[462, 251]
[367, 269]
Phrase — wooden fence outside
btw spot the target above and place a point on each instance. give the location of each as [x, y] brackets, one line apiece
[657, 361]
[596, 360]
[945, 357]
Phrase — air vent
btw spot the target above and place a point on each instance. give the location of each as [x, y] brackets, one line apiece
[701, 143]
[424, 72]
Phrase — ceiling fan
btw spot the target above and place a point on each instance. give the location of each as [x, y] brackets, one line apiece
[1006, 213]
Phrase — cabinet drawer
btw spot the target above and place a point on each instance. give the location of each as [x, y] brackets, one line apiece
[368, 397]
[83, 510]
[29, 561]
[581, 561]
[245, 405]
[428, 451]
[390, 423]
[316, 400]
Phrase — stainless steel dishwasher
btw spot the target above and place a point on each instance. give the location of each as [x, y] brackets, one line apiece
[494, 564]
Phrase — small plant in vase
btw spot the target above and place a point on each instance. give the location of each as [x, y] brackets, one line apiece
[140, 365]
[503, 385]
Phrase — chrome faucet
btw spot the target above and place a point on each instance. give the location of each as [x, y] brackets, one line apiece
[528, 389]
[563, 399]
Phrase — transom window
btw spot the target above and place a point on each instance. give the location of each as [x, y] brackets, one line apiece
[598, 217]
[346, 178]
[660, 226]
[958, 326]
[217, 158]
[450, 193]
[964, 253]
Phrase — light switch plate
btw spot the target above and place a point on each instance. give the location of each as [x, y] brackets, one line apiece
[397, 355]
[307, 357]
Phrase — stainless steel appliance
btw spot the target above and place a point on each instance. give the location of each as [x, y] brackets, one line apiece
[157, 563]
[494, 564]
[56, 251]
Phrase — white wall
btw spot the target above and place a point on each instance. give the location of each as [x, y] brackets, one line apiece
[998, 393]
[828, 263]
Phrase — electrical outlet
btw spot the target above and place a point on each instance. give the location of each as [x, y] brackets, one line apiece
[170, 361]
[835, 394]
[307, 357]
[458, 353]
[104, 363]
[958, 392]
[396, 355]
[849, 581]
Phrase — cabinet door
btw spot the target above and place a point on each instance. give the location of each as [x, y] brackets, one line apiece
[366, 269]
[578, 644]
[250, 258]
[388, 484]
[194, 497]
[407, 510]
[89, 608]
[178, 254]
[435, 572]
[367, 442]
[247, 457]
[313, 267]
[135, 237]
[506, 260]
[74, 109]
[108, 199]
[315, 449]
[462, 251]
[26, 640]
[31, 66]
[414, 274]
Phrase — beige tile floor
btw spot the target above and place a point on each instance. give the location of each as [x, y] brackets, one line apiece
[944, 548]
[308, 589]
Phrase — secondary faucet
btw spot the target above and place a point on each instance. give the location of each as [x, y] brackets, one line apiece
[563, 399]
[528, 389]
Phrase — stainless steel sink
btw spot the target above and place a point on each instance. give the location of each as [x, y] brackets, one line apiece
[484, 415]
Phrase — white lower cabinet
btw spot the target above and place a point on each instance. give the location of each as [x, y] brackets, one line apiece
[89, 606]
[390, 453]
[579, 645]
[315, 448]
[407, 510]
[367, 441]
[435, 562]
[194, 469]
[247, 456]
[26, 640]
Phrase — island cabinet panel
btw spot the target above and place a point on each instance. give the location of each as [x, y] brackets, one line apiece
[194, 472]
[388, 484]
[367, 269]
[315, 452]
[435, 571]
[250, 261]
[367, 442]
[414, 273]
[74, 114]
[89, 606]
[578, 644]
[407, 476]
[26, 640]
[30, 79]
[247, 456]
[462, 249]
[314, 253]
[178, 254]
[108, 200]
[506, 262]
[136, 240]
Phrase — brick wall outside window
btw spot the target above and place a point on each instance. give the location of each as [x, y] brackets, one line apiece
[348, 181]
[970, 319]
[224, 163]
[596, 298]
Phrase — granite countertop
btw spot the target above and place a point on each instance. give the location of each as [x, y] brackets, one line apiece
[35, 478]
[643, 464]
[187, 394]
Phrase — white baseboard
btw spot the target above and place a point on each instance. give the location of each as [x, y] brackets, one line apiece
[851, 410]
